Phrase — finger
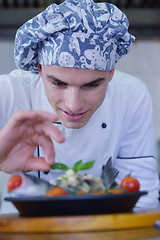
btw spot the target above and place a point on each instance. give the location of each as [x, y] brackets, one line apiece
[50, 130]
[37, 164]
[28, 115]
[47, 145]
[44, 116]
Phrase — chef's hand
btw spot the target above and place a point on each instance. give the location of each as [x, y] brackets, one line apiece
[18, 139]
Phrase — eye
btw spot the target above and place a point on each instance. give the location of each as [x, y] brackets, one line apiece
[94, 84]
[91, 85]
[58, 83]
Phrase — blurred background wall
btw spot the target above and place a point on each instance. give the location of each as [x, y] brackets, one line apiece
[143, 61]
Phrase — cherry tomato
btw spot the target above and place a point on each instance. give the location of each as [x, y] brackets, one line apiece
[14, 182]
[56, 191]
[130, 184]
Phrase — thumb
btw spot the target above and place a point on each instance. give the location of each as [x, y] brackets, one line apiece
[37, 164]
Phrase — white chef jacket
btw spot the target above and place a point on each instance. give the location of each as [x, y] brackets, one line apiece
[121, 128]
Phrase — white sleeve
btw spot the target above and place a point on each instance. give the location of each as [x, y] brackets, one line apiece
[137, 153]
[15, 95]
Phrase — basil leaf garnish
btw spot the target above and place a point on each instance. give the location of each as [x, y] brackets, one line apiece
[82, 166]
[60, 166]
[78, 166]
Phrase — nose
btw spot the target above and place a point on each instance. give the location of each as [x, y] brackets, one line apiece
[73, 100]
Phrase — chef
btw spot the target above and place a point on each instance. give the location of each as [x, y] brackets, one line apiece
[66, 60]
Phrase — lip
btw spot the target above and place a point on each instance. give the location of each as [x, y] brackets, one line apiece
[74, 116]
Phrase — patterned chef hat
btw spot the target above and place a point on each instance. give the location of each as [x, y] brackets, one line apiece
[76, 34]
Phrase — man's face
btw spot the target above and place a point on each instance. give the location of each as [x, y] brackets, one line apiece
[75, 94]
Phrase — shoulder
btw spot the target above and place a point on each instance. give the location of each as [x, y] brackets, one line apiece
[128, 92]
[18, 82]
[125, 79]
[19, 76]
[128, 85]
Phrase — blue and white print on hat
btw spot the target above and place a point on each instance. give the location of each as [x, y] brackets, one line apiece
[75, 33]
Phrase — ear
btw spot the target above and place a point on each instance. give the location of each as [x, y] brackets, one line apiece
[39, 69]
[111, 74]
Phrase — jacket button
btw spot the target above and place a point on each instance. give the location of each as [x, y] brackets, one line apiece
[104, 125]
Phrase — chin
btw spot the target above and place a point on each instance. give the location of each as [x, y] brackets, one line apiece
[74, 125]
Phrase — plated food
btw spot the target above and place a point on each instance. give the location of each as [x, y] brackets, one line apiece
[70, 183]
[71, 194]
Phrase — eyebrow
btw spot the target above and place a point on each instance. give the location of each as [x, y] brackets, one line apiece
[98, 80]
